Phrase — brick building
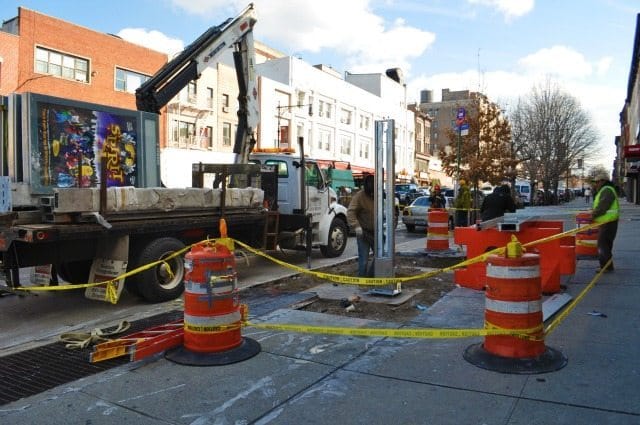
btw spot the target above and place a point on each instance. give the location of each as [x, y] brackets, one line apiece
[46, 55]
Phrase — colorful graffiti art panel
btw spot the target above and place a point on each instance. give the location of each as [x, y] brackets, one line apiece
[73, 143]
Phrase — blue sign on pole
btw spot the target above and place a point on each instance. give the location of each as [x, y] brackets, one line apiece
[460, 116]
[464, 129]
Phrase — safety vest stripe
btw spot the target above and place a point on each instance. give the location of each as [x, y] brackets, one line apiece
[513, 307]
[504, 272]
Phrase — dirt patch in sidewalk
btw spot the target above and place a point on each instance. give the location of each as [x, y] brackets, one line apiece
[431, 290]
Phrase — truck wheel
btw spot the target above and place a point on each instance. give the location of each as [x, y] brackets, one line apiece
[337, 239]
[74, 271]
[163, 282]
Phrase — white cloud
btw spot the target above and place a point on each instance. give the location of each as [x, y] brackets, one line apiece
[152, 39]
[603, 65]
[348, 27]
[509, 8]
[559, 61]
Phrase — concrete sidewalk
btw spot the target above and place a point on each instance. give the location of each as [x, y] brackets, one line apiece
[318, 379]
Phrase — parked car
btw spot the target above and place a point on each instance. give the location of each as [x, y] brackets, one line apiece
[416, 214]
[406, 192]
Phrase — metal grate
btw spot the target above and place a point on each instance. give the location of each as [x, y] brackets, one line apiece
[33, 371]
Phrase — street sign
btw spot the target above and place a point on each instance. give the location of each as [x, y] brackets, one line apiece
[464, 129]
[460, 116]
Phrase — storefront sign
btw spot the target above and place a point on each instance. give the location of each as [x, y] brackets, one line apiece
[632, 151]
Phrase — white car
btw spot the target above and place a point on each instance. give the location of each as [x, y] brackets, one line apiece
[416, 214]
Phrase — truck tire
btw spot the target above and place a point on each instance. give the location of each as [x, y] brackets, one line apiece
[158, 284]
[74, 271]
[337, 239]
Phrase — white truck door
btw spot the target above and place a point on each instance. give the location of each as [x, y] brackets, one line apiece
[317, 191]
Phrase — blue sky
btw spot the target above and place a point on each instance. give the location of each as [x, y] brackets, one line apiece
[500, 47]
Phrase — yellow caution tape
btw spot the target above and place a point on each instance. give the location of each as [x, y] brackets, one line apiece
[111, 285]
[208, 329]
[352, 280]
[434, 333]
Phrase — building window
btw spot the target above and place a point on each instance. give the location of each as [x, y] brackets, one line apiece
[324, 141]
[345, 145]
[225, 103]
[345, 116]
[129, 81]
[206, 137]
[209, 97]
[226, 134]
[328, 110]
[173, 139]
[62, 65]
[192, 92]
[186, 133]
[365, 147]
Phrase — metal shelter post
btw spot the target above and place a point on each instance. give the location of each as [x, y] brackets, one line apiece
[384, 244]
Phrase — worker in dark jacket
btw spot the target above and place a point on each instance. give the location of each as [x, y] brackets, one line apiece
[606, 210]
[437, 199]
[360, 216]
[497, 203]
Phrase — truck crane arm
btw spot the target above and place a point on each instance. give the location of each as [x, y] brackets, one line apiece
[187, 66]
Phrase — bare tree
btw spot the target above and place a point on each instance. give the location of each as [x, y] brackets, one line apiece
[596, 170]
[553, 132]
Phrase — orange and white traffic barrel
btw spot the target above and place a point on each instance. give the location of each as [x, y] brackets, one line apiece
[437, 230]
[513, 301]
[586, 240]
[213, 314]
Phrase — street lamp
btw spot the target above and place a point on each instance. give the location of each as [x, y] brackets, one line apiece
[280, 107]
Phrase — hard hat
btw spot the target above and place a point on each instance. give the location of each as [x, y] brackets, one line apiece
[436, 187]
[462, 182]
[600, 175]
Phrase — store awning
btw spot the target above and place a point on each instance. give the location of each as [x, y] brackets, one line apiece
[357, 170]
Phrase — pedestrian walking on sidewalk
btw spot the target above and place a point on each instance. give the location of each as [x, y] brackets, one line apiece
[606, 210]
[360, 218]
[587, 195]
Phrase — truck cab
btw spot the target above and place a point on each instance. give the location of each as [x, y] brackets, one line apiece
[314, 198]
